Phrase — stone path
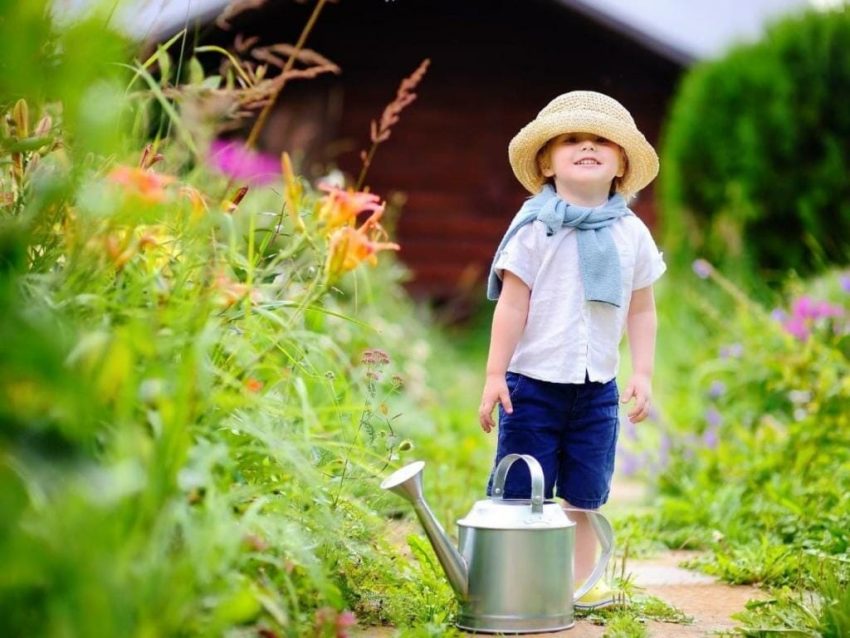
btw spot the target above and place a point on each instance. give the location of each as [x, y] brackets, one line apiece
[709, 602]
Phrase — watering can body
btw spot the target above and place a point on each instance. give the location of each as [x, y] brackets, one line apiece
[513, 570]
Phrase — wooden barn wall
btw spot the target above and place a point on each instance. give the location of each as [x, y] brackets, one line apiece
[494, 65]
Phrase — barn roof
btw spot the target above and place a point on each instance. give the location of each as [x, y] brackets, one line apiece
[683, 32]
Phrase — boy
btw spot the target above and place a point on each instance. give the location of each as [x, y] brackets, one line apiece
[574, 271]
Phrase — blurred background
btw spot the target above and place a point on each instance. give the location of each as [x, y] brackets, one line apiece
[494, 64]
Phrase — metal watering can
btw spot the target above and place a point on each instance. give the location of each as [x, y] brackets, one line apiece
[513, 572]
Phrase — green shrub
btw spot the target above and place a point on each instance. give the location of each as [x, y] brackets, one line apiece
[757, 151]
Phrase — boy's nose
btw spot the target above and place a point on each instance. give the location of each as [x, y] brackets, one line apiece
[586, 145]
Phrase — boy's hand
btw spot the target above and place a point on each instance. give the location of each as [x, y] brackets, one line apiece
[639, 388]
[495, 390]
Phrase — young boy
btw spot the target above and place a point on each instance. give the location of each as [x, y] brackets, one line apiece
[574, 270]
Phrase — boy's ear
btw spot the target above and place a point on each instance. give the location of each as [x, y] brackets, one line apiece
[544, 161]
[624, 164]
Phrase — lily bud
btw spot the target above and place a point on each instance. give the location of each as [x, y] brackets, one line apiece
[21, 116]
[231, 205]
[43, 127]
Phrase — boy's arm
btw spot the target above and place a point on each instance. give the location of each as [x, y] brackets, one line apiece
[508, 323]
[641, 325]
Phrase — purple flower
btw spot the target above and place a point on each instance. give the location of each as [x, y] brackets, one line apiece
[237, 162]
[709, 438]
[713, 418]
[717, 389]
[778, 314]
[702, 268]
[664, 453]
[654, 414]
[688, 444]
[732, 351]
[629, 428]
[628, 463]
[845, 283]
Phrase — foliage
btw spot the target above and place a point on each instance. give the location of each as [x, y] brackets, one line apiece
[196, 400]
[756, 151]
[758, 467]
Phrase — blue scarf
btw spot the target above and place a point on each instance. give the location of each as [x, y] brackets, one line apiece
[599, 261]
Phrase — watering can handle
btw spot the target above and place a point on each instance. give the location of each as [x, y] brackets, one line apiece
[604, 532]
[536, 479]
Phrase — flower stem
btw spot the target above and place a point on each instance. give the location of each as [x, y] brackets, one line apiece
[367, 162]
[264, 114]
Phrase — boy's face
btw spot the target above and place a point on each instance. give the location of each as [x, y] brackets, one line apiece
[584, 160]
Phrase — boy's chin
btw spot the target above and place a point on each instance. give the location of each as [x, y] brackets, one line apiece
[585, 183]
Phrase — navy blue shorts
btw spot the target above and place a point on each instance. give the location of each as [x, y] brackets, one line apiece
[570, 428]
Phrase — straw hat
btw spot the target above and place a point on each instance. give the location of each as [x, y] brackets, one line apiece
[584, 112]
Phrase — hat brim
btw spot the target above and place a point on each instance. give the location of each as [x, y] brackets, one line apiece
[522, 151]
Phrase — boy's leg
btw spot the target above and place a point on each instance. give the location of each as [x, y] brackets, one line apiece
[585, 551]
[587, 463]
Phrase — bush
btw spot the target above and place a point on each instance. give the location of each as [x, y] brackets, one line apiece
[757, 152]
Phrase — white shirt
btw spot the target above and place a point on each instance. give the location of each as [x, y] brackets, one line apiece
[565, 335]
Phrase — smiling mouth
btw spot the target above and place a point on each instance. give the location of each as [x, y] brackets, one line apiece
[587, 162]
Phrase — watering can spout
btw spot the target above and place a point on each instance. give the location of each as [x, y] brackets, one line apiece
[407, 483]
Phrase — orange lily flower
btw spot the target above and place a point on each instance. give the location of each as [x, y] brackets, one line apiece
[349, 246]
[120, 247]
[123, 244]
[230, 292]
[145, 184]
[253, 385]
[196, 199]
[341, 207]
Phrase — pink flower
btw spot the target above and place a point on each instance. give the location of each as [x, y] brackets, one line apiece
[797, 327]
[343, 621]
[807, 308]
[231, 158]
[327, 618]
[805, 313]
[826, 309]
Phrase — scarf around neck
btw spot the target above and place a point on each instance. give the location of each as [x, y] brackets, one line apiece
[599, 261]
